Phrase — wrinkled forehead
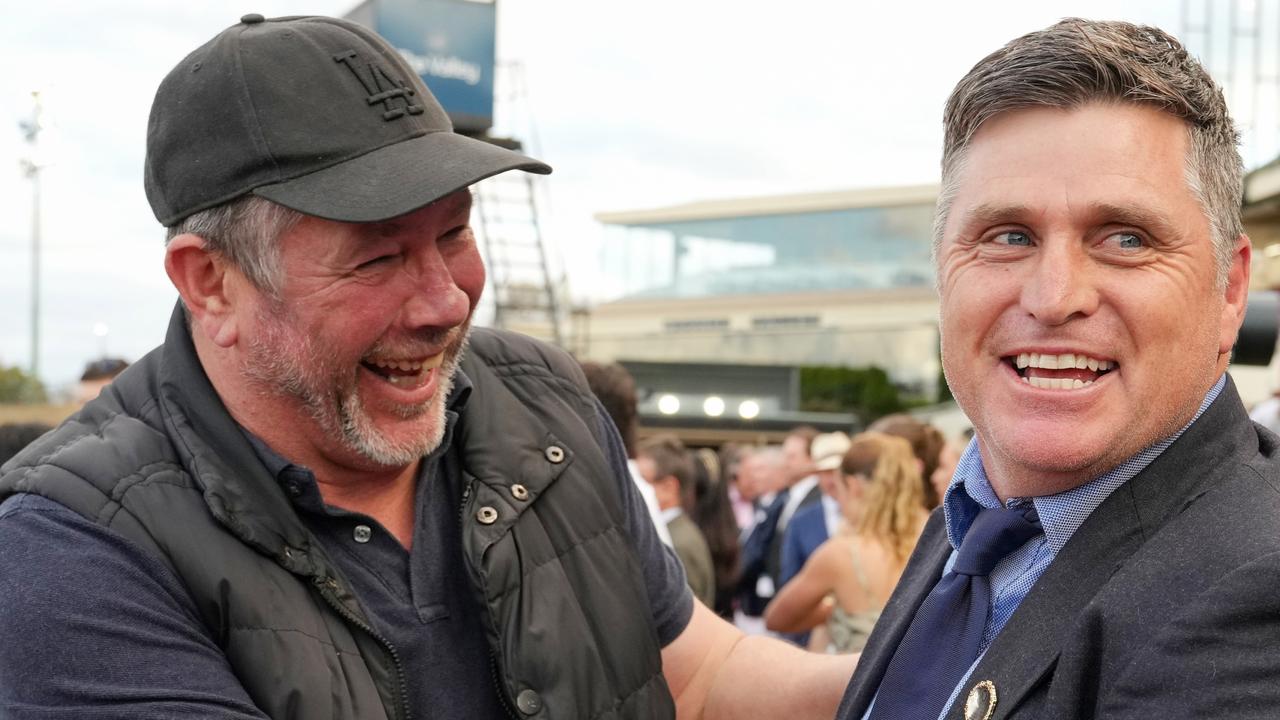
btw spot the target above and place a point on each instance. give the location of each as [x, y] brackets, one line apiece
[1121, 160]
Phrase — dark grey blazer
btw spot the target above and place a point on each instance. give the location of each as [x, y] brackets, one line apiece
[1164, 604]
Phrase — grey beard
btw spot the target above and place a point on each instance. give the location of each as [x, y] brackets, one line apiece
[286, 364]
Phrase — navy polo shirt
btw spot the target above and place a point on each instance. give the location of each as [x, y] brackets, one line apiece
[93, 626]
[418, 599]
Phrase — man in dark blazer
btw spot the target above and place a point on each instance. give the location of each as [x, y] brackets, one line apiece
[813, 524]
[1109, 546]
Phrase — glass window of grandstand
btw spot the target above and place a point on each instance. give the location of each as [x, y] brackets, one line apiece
[855, 249]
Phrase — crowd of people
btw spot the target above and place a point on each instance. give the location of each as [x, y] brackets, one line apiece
[803, 540]
[327, 495]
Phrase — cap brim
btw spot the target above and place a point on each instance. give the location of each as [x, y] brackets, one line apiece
[398, 178]
[830, 463]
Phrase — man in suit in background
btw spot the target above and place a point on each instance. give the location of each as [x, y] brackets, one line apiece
[762, 548]
[812, 525]
[665, 464]
[1109, 546]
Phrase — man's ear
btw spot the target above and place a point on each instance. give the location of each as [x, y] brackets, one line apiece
[1236, 294]
[201, 278]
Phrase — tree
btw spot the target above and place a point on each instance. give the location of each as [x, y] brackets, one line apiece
[17, 386]
[867, 391]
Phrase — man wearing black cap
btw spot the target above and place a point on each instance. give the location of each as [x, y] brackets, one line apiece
[316, 499]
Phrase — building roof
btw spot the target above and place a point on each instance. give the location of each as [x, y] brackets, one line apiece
[774, 205]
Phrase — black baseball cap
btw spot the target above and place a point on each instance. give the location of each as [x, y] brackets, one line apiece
[318, 114]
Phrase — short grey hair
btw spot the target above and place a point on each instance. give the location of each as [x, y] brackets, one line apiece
[246, 232]
[1076, 62]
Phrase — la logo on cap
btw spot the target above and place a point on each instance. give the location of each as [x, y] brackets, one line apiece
[382, 88]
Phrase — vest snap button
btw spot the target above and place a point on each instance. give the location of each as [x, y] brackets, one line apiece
[555, 454]
[519, 492]
[487, 515]
[528, 702]
[363, 533]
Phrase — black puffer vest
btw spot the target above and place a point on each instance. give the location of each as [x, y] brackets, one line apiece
[158, 459]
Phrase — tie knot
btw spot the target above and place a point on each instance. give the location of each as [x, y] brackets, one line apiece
[993, 535]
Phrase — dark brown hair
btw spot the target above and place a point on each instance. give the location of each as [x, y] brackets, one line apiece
[1076, 62]
[616, 390]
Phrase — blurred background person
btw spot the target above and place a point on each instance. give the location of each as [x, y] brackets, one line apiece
[762, 479]
[1267, 413]
[762, 550]
[880, 497]
[741, 498]
[614, 387]
[926, 444]
[947, 461]
[666, 465]
[802, 482]
[816, 523]
[96, 376]
[709, 508]
[15, 436]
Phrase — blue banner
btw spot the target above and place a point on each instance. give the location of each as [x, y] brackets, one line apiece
[450, 43]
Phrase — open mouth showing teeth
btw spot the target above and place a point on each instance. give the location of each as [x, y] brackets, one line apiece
[401, 373]
[1066, 371]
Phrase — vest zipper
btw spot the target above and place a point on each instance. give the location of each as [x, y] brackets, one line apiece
[325, 585]
[498, 688]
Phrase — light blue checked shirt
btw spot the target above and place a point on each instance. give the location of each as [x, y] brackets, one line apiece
[1060, 515]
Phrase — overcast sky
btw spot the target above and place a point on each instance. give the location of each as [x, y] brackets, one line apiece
[636, 104]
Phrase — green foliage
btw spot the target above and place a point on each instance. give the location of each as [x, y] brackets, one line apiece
[17, 386]
[866, 392]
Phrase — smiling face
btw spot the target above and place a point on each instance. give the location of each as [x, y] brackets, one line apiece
[1081, 317]
[358, 353]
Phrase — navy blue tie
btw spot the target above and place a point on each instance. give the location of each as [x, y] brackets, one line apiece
[944, 637]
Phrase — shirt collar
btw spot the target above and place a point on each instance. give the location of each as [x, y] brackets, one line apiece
[1061, 514]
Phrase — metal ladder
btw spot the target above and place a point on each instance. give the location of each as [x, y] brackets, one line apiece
[524, 293]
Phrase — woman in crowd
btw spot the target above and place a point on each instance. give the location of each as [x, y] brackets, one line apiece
[709, 507]
[926, 442]
[848, 579]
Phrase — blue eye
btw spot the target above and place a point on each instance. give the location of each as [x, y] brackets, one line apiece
[1013, 237]
[1128, 241]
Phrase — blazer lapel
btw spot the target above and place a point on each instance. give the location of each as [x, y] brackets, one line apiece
[921, 574]
[1030, 642]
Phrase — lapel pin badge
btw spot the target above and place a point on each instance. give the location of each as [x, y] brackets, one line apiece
[981, 703]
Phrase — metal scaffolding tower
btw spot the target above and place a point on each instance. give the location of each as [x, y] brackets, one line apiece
[526, 292]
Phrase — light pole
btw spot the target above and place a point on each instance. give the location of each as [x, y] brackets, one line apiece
[31, 167]
[101, 330]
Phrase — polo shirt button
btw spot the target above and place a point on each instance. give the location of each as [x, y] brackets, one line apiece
[363, 533]
[294, 489]
[487, 515]
[528, 702]
[555, 454]
[519, 492]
